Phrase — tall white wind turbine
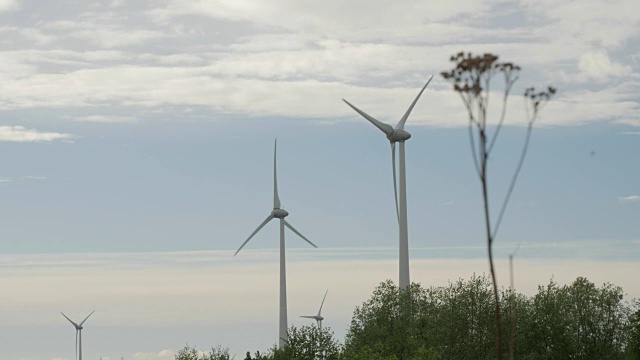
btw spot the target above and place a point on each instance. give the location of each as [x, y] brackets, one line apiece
[398, 135]
[318, 318]
[78, 334]
[279, 213]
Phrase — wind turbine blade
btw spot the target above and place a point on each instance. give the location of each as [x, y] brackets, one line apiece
[254, 232]
[297, 232]
[308, 317]
[400, 124]
[77, 344]
[395, 187]
[387, 129]
[325, 296]
[276, 198]
[85, 319]
[71, 321]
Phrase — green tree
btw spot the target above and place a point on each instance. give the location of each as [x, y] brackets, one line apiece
[451, 322]
[600, 319]
[466, 328]
[577, 321]
[307, 343]
[187, 353]
[388, 323]
[632, 349]
[522, 306]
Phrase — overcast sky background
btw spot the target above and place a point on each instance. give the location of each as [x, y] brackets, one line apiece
[136, 145]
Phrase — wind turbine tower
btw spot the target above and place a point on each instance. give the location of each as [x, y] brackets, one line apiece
[279, 213]
[398, 135]
[78, 334]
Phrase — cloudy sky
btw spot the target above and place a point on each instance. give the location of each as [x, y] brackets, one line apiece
[136, 143]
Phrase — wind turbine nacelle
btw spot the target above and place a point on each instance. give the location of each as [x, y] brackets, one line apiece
[279, 213]
[398, 135]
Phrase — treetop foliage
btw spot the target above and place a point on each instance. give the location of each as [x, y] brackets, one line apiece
[578, 321]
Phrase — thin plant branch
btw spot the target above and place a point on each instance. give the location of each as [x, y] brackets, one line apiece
[509, 83]
[514, 178]
[474, 154]
[471, 78]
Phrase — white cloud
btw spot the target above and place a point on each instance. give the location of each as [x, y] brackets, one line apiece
[299, 61]
[577, 107]
[14, 67]
[629, 121]
[629, 199]
[22, 134]
[255, 96]
[110, 38]
[176, 59]
[102, 30]
[598, 66]
[29, 34]
[116, 3]
[105, 119]
[595, 22]
[104, 55]
[155, 86]
[376, 21]
[7, 5]
[6, 179]
[164, 354]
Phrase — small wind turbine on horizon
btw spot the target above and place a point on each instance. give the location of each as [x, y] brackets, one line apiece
[318, 317]
[78, 334]
[398, 135]
[279, 213]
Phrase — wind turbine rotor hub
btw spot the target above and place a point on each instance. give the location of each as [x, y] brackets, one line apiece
[398, 135]
[279, 213]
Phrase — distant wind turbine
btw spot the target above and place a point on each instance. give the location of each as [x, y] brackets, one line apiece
[318, 317]
[394, 135]
[279, 213]
[78, 334]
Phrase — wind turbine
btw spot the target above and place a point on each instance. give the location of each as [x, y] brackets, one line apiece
[78, 334]
[318, 317]
[398, 135]
[279, 213]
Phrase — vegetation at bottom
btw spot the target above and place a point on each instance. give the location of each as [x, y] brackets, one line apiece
[576, 321]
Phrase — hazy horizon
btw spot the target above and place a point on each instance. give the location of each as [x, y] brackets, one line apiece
[151, 304]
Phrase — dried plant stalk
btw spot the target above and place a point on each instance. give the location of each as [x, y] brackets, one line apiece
[471, 78]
